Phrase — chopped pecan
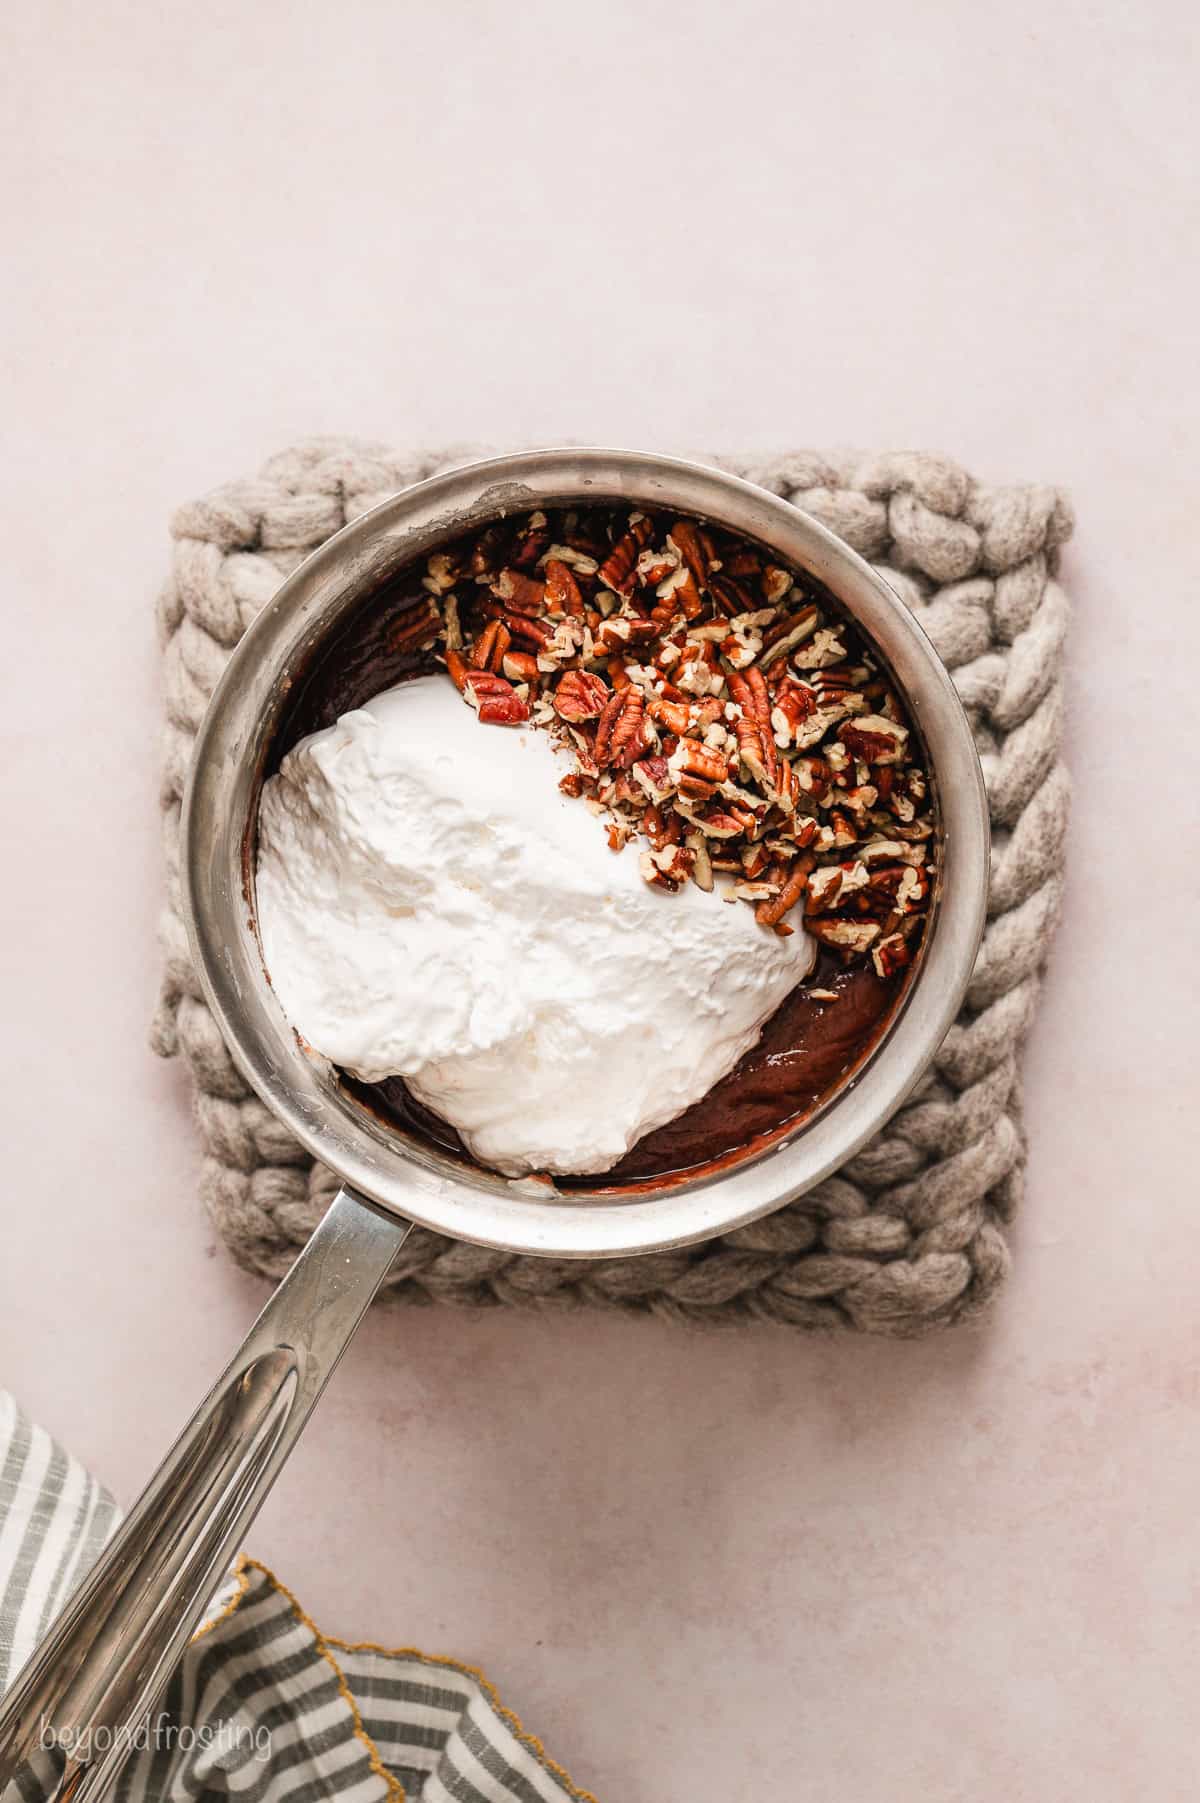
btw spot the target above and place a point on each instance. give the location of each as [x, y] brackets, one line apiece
[654, 777]
[702, 870]
[856, 936]
[490, 646]
[575, 558]
[619, 569]
[531, 543]
[522, 626]
[674, 715]
[717, 825]
[813, 775]
[619, 730]
[581, 695]
[874, 739]
[891, 955]
[794, 703]
[668, 868]
[623, 630]
[628, 729]
[654, 567]
[495, 699]
[825, 647]
[687, 541]
[563, 594]
[691, 759]
[776, 583]
[522, 593]
[832, 883]
[442, 571]
[769, 913]
[712, 704]
[485, 553]
[520, 666]
[661, 828]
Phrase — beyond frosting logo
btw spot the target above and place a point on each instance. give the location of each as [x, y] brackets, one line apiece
[160, 1733]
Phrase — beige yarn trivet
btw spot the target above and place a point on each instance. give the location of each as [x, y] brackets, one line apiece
[909, 1235]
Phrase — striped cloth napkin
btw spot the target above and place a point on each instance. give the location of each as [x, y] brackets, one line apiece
[264, 1707]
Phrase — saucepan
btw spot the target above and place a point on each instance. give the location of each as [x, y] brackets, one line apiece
[113, 1649]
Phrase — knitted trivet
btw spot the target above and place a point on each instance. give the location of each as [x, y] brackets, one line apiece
[909, 1235]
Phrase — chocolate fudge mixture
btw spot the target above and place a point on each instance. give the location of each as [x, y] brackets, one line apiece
[717, 708]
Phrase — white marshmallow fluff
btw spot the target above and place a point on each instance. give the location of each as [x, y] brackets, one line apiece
[431, 907]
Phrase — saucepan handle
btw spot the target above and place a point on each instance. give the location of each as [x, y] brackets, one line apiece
[100, 1670]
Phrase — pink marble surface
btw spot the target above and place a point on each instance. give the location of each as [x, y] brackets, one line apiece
[742, 1566]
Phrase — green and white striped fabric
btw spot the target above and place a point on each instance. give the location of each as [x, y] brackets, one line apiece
[263, 1708]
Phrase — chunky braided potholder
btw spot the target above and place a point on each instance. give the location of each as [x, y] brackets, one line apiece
[910, 1234]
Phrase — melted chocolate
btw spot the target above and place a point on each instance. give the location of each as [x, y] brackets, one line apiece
[360, 660]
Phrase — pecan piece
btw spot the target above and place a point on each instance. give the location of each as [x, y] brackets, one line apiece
[741, 561]
[490, 646]
[523, 626]
[684, 589]
[715, 824]
[496, 700]
[520, 666]
[855, 936]
[786, 634]
[619, 729]
[531, 543]
[891, 954]
[756, 744]
[581, 695]
[668, 868]
[628, 733]
[825, 647]
[794, 703]
[674, 715]
[503, 710]
[733, 600]
[749, 743]
[874, 739]
[702, 870]
[654, 567]
[654, 777]
[833, 883]
[692, 759]
[776, 583]
[563, 594]
[624, 630]
[485, 553]
[905, 885]
[813, 775]
[619, 569]
[442, 571]
[841, 828]
[522, 593]
[769, 913]
[572, 556]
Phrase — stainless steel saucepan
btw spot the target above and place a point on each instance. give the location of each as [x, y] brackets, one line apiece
[112, 1650]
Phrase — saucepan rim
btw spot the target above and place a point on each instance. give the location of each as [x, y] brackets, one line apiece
[416, 1181]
